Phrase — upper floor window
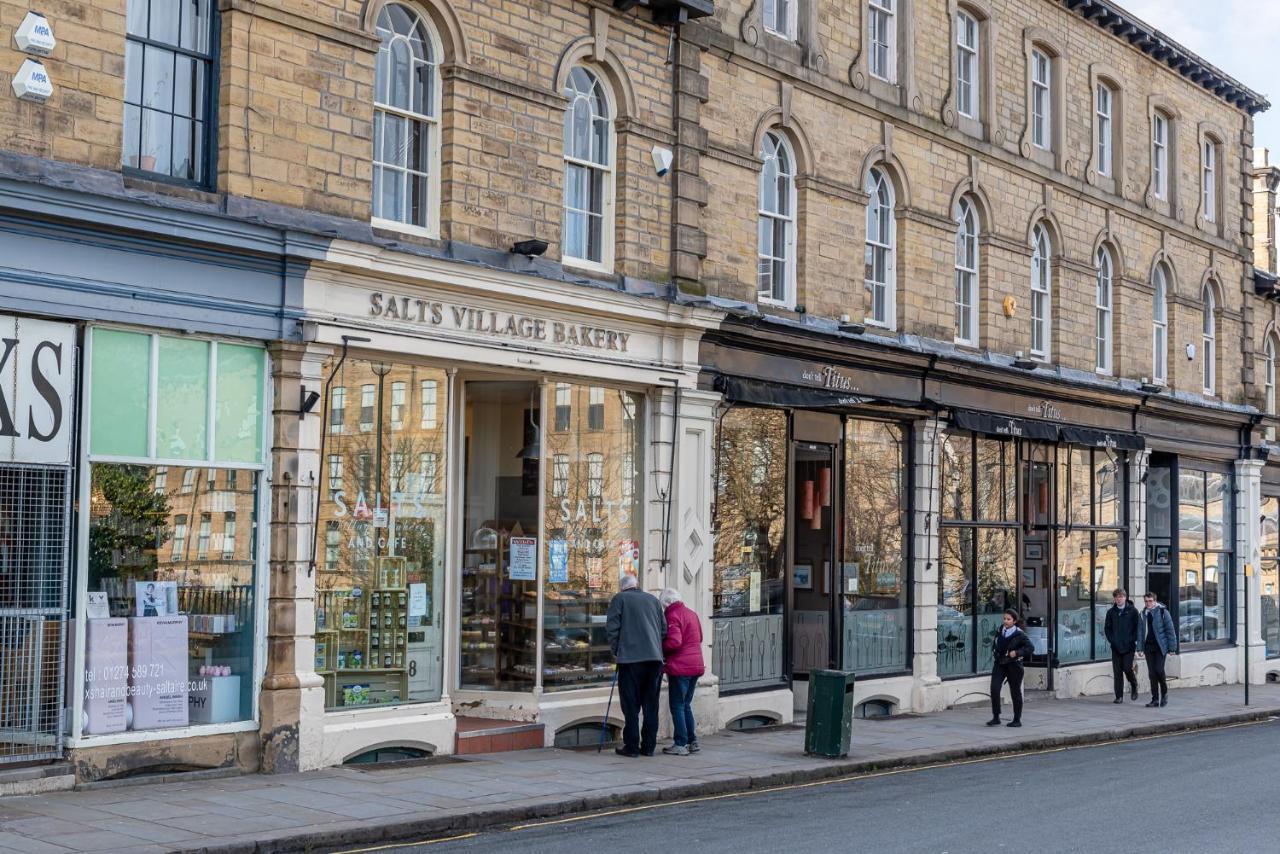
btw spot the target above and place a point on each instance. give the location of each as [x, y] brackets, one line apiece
[881, 262]
[967, 65]
[564, 406]
[1160, 326]
[1269, 376]
[1105, 269]
[777, 225]
[430, 393]
[966, 273]
[1209, 341]
[1041, 293]
[406, 121]
[1106, 142]
[883, 29]
[1041, 100]
[595, 408]
[1160, 156]
[1209, 181]
[780, 17]
[588, 166]
[168, 89]
[337, 408]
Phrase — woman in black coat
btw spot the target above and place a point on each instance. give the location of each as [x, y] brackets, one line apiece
[1012, 646]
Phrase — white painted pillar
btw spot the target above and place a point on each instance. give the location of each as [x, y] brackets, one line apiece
[927, 509]
[1139, 462]
[1248, 533]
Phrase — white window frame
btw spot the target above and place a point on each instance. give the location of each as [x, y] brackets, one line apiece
[968, 264]
[1104, 111]
[1041, 293]
[1160, 156]
[1103, 303]
[559, 475]
[1160, 326]
[429, 391]
[229, 536]
[1209, 341]
[882, 38]
[369, 393]
[781, 18]
[881, 201]
[399, 396]
[427, 32]
[1041, 99]
[428, 472]
[605, 169]
[335, 473]
[1269, 375]
[1209, 181]
[968, 65]
[595, 475]
[337, 409]
[203, 536]
[774, 145]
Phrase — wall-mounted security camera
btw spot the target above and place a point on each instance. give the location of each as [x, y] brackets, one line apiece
[661, 160]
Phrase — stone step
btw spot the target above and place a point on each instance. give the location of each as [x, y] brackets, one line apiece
[488, 735]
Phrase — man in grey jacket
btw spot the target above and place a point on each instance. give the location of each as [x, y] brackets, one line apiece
[637, 626]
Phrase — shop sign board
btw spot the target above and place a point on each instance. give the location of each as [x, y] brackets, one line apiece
[37, 387]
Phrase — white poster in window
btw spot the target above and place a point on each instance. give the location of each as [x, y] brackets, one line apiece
[155, 598]
[37, 375]
[753, 592]
[96, 607]
[417, 600]
[106, 675]
[158, 677]
[524, 559]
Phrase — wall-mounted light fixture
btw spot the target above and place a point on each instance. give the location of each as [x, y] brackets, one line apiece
[529, 248]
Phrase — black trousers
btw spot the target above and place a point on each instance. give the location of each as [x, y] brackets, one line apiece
[1155, 670]
[639, 688]
[1011, 673]
[1121, 669]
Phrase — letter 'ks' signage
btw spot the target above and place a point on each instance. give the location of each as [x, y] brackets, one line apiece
[37, 390]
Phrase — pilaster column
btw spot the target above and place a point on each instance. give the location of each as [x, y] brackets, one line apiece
[1248, 533]
[292, 703]
[1139, 462]
[926, 511]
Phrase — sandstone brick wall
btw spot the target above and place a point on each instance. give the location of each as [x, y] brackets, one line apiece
[838, 126]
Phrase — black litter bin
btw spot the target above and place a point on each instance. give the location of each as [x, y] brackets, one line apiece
[826, 731]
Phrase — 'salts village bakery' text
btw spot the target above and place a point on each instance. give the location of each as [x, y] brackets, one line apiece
[503, 324]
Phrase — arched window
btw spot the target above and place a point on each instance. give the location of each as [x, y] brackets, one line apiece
[966, 219]
[1269, 381]
[1041, 293]
[587, 233]
[406, 121]
[1160, 326]
[1209, 341]
[1102, 308]
[777, 223]
[881, 260]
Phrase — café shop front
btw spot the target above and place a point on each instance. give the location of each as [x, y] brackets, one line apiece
[493, 453]
[877, 509]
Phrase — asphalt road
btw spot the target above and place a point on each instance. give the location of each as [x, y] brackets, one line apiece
[1215, 791]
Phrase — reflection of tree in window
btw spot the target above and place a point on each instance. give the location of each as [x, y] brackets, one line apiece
[595, 475]
[337, 408]
[563, 405]
[179, 538]
[560, 475]
[429, 397]
[368, 395]
[397, 405]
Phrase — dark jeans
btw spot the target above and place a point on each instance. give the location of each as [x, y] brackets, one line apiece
[1011, 673]
[639, 687]
[680, 698]
[1121, 669]
[1155, 670]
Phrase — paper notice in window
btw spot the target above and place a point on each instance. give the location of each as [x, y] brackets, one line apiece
[524, 559]
[753, 595]
[417, 600]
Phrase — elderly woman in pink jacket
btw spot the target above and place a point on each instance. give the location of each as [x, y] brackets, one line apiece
[683, 650]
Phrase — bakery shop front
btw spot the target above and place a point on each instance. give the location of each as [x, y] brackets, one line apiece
[491, 463]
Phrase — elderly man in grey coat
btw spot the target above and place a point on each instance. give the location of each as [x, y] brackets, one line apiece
[636, 627]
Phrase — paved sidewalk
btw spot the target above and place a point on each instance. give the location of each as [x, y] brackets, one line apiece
[348, 806]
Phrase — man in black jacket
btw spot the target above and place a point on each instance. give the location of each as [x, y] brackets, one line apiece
[1122, 628]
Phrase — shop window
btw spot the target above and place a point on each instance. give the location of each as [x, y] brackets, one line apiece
[406, 131]
[169, 635]
[873, 586]
[337, 408]
[430, 390]
[170, 63]
[564, 406]
[587, 233]
[1269, 574]
[1204, 556]
[379, 635]
[593, 534]
[749, 586]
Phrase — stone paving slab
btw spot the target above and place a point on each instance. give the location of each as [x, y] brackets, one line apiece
[363, 806]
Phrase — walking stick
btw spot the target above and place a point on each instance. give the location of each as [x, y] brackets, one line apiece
[604, 724]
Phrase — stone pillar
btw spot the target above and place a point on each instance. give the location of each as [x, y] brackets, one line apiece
[927, 510]
[292, 702]
[1248, 546]
[1139, 462]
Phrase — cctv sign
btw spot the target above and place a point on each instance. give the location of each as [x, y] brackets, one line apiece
[35, 35]
[32, 83]
[37, 390]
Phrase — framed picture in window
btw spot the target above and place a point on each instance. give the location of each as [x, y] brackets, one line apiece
[1033, 551]
[802, 576]
[1028, 578]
